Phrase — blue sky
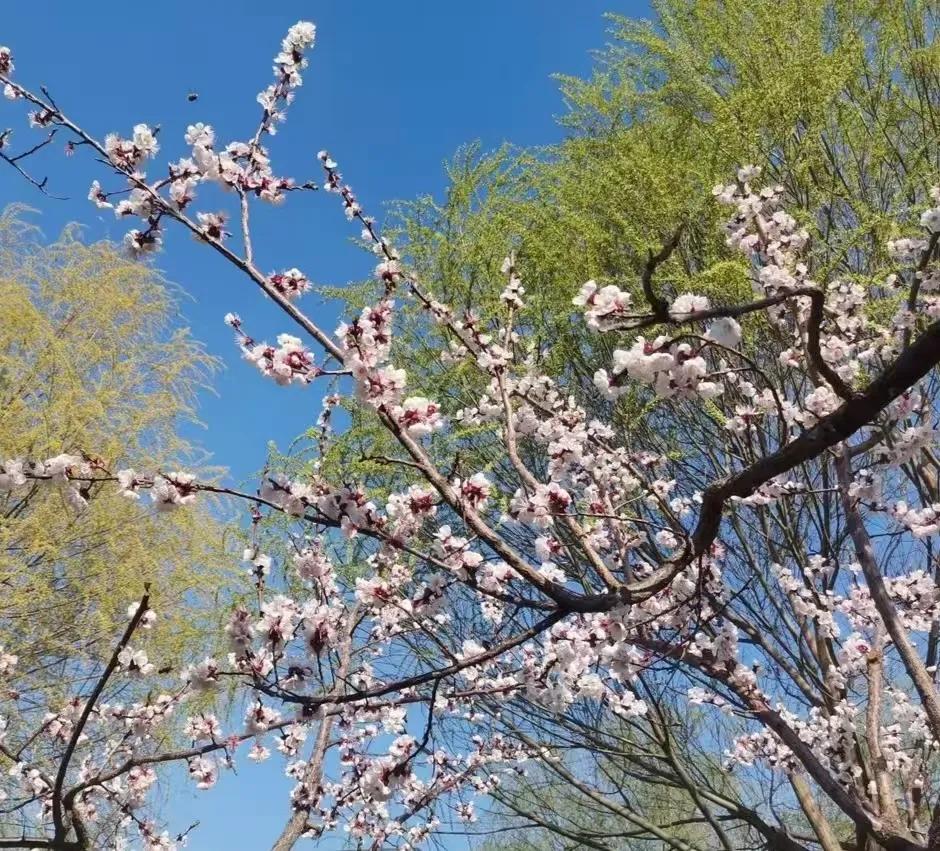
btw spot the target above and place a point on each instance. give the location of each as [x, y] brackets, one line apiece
[392, 90]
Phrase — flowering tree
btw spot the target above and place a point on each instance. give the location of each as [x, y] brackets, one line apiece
[588, 573]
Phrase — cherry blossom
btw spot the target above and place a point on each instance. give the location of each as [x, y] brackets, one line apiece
[588, 563]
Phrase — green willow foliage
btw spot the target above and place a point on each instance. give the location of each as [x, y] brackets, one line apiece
[835, 99]
[93, 360]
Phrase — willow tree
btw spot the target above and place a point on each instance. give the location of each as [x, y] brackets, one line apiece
[93, 360]
[836, 99]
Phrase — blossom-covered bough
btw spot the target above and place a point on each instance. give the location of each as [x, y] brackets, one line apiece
[571, 575]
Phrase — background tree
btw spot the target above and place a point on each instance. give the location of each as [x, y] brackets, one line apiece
[835, 99]
[93, 359]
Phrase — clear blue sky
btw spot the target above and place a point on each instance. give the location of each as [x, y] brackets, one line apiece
[392, 90]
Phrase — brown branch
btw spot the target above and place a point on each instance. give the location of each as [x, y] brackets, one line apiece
[57, 815]
[428, 676]
[915, 284]
[313, 772]
[913, 664]
[912, 365]
[653, 262]
[14, 162]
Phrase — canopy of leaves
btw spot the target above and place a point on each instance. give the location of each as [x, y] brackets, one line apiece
[92, 360]
[835, 99]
